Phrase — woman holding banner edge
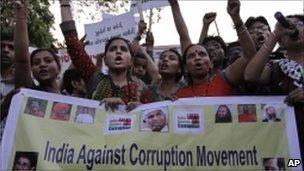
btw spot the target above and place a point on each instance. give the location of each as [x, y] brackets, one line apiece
[117, 88]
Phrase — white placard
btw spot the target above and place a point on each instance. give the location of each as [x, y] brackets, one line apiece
[98, 33]
[148, 4]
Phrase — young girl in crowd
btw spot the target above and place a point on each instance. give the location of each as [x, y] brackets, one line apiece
[170, 69]
[119, 87]
[43, 63]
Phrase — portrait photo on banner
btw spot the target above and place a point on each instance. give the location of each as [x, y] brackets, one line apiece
[35, 107]
[223, 113]
[271, 112]
[85, 115]
[61, 111]
[273, 164]
[25, 160]
[247, 113]
[154, 120]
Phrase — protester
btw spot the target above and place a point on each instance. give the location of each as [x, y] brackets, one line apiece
[259, 30]
[143, 64]
[214, 44]
[234, 51]
[207, 20]
[217, 50]
[170, 69]
[286, 76]
[7, 63]
[180, 26]
[73, 84]
[114, 89]
[198, 67]
[43, 63]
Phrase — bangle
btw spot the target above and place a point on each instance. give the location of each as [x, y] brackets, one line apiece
[241, 29]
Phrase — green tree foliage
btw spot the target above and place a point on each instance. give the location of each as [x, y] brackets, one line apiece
[40, 21]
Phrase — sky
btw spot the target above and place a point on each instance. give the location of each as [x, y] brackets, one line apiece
[193, 11]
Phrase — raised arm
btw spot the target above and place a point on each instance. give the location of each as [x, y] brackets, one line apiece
[137, 48]
[247, 43]
[257, 70]
[180, 25]
[76, 48]
[150, 44]
[207, 20]
[21, 42]
[235, 71]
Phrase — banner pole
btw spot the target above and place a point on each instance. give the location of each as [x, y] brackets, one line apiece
[150, 20]
[139, 8]
[218, 32]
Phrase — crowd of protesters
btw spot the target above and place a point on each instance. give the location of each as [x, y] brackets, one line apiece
[210, 67]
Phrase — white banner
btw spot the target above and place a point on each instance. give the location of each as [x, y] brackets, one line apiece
[98, 33]
[46, 131]
[148, 4]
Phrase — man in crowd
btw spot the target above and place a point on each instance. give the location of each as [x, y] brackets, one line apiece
[7, 63]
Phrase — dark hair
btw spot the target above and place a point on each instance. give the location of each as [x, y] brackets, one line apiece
[139, 55]
[7, 35]
[180, 61]
[217, 39]
[233, 44]
[226, 118]
[31, 156]
[186, 75]
[280, 162]
[6, 62]
[251, 20]
[69, 76]
[56, 58]
[117, 38]
[297, 16]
